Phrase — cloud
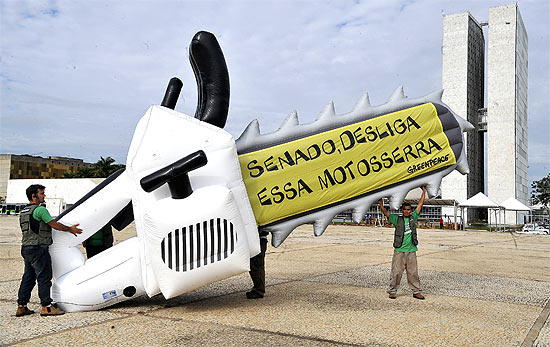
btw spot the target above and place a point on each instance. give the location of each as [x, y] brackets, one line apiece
[78, 75]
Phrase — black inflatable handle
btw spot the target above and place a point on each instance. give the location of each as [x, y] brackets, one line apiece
[212, 78]
[175, 175]
[172, 93]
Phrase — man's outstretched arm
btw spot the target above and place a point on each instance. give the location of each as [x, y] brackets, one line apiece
[72, 229]
[383, 209]
[421, 201]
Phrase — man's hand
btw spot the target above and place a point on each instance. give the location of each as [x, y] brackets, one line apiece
[74, 230]
[422, 197]
[61, 227]
[383, 209]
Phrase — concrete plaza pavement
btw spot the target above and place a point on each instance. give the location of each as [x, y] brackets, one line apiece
[481, 288]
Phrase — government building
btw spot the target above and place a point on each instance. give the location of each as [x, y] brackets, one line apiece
[488, 87]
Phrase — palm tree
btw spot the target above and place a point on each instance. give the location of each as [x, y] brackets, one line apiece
[104, 167]
[85, 172]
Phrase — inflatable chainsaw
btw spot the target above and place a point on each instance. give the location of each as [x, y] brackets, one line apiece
[198, 197]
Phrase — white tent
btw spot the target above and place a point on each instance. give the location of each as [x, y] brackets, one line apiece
[480, 200]
[514, 205]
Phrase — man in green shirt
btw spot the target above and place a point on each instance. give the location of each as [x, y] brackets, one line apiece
[99, 241]
[404, 242]
[36, 228]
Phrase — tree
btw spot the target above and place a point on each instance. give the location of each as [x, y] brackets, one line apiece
[85, 172]
[541, 191]
[104, 167]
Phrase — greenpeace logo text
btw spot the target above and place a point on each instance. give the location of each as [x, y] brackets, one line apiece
[427, 164]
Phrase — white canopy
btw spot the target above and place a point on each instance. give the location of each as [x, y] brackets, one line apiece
[479, 200]
[514, 205]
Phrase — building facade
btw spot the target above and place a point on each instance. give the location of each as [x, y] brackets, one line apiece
[13, 166]
[507, 108]
[503, 118]
[463, 54]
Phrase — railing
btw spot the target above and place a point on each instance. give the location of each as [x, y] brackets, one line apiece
[482, 119]
[425, 220]
[11, 209]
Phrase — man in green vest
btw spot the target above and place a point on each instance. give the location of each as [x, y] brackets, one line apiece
[36, 227]
[99, 241]
[405, 241]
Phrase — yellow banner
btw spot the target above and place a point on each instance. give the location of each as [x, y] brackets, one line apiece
[333, 166]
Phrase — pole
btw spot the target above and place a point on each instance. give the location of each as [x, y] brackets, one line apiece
[454, 207]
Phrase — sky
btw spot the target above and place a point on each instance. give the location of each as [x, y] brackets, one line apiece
[76, 76]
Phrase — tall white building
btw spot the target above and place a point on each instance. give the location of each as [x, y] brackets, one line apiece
[504, 118]
[462, 79]
[507, 108]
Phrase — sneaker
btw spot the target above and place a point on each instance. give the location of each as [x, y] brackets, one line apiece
[23, 311]
[254, 295]
[393, 296]
[51, 311]
[418, 296]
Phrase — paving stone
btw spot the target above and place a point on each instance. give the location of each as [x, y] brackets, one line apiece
[489, 288]
[359, 315]
[28, 327]
[482, 289]
[170, 332]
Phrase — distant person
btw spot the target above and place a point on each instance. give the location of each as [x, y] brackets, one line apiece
[257, 270]
[440, 222]
[36, 227]
[404, 242]
[99, 241]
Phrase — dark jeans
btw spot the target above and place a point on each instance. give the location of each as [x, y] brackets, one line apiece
[257, 268]
[38, 267]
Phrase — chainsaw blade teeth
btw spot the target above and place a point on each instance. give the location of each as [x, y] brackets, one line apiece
[359, 213]
[320, 225]
[278, 236]
[396, 200]
[251, 132]
[279, 233]
[362, 104]
[464, 124]
[435, 96]
[251, 138]
[290, 121]
[398, 94]
[462, 164]
[432, 188]
[327, 111]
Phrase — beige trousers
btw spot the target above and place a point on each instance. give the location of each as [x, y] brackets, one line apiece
[404, 261]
